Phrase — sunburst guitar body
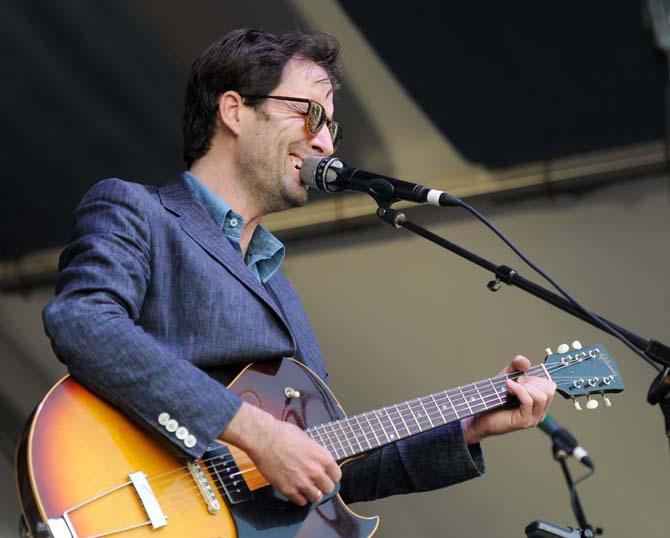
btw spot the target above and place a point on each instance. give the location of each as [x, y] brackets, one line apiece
[78, 453]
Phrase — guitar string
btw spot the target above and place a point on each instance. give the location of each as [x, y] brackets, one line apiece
[365, 431]
[460, 404]
[184, 496]
[231, 479]
[323, 425]
[228, 484]
[175, 498]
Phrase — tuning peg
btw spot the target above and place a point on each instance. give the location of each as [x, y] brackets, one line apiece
[606, 401]
[548, 351]
[591, 403]
[576, 345]
[578, 406]
[563, 348]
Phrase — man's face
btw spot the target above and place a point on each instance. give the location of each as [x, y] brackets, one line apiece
[275, 141]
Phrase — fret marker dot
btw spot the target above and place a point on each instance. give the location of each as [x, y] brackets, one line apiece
[392, 436]
[444, 407]
[419, 414]
[472, 398]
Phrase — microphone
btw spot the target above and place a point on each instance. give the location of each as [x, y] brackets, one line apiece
[564, 443]
[330, 174]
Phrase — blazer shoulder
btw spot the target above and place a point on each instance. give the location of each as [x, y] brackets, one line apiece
[120, 190]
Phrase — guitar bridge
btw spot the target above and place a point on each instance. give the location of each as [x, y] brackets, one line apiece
[63, 527]
[206, 491]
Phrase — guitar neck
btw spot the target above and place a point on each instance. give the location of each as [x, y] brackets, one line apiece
[366, 431]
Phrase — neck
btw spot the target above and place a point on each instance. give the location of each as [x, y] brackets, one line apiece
[360, 433]
[221, 177]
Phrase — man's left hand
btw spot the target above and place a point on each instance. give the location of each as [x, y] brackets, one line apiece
[534, 395]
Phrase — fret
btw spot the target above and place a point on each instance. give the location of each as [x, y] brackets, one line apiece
[377, 414]
[373, 430]
[403, 420]
[480, 395]
[427, 413]
[452, 404]
[496, 391]
[319, 440]
[338, 441]
[444, 420]
[363, 431]
[414, 416]
[465, 400]
[397, 435]
[346, 438]
[421, 414]
[328, 442]
[355, 436]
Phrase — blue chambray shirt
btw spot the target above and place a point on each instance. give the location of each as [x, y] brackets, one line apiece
[265, 253]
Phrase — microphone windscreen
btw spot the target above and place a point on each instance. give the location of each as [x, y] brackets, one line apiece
[308, 171]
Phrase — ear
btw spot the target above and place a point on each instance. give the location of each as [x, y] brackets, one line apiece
[230, 111]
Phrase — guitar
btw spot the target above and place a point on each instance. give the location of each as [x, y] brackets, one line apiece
[86, 470]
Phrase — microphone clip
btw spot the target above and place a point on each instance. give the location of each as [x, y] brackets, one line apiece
[391, 216]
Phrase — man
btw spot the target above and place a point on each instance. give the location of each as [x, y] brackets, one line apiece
[166, 291]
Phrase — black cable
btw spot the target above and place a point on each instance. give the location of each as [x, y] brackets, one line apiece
[599, 322]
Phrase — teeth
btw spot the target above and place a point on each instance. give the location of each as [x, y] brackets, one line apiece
[297, 163]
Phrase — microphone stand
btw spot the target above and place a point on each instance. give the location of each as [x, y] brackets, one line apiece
[659, 391]
[545, 529]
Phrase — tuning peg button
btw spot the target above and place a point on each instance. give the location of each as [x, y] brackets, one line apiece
[606, 401]
[563, 348]
[576, 345]
[548, 351]
[578, 407]
[591, 403]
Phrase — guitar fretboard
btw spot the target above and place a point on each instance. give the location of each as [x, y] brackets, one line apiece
[360, 433]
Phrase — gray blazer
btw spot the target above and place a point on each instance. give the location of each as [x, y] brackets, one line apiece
[154, 308]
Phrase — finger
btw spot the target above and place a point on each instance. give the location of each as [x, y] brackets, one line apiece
[325, 484]
[333, 470]
[539, 407]
[525, 409]
[297, 498]
[316, 495]
[518, 364]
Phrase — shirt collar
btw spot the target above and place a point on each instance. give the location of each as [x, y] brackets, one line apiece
[265, 253]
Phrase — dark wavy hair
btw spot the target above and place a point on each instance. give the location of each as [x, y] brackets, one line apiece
[250, 62]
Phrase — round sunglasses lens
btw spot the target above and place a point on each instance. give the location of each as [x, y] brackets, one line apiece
[336, 134]
[316, 116]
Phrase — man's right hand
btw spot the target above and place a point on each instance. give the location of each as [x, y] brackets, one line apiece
[297, 466]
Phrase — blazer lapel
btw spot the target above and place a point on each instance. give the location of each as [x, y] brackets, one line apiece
[197, 223]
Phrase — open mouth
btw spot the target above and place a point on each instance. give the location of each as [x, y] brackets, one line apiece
[295, 161]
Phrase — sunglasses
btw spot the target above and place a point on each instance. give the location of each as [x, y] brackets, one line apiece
[315, 116]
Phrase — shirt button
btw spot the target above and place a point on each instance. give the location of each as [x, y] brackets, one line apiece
[163, 419]
[233, 222]
[190, 441]
[172, 425]
[181, 433]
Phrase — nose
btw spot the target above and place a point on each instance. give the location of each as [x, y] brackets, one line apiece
[322, 142]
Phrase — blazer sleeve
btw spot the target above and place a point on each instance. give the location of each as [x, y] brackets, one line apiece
[434, 459]
[94, 323]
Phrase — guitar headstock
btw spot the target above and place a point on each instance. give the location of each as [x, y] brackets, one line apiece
[585, 371]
